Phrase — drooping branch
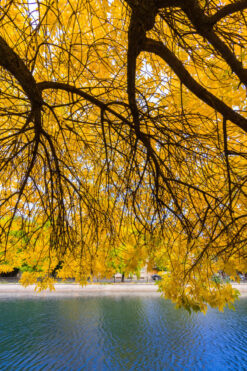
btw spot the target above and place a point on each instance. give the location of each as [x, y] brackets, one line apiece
[14, 64]
[44, 85]
[203, 94]
[227, 165]
[142, 20]
[203, 26]
[227, 10]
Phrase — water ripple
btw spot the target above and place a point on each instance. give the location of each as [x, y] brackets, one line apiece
[124, 333]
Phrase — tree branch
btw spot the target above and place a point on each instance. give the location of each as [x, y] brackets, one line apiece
[228, 169]
[202, 25]
[14, 64]
[72, 89]
[203, 94]
[227, 10]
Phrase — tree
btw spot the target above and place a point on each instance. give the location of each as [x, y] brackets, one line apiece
[128, 112]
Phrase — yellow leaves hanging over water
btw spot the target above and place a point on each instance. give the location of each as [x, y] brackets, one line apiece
[123, 143]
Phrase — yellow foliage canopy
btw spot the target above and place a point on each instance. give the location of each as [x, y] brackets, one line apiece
[123, 140]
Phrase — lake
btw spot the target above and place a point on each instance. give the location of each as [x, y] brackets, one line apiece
[119, 333]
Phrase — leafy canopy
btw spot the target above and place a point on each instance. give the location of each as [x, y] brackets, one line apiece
[123, 140]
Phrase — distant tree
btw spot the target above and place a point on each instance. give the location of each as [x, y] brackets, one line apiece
[119, 112]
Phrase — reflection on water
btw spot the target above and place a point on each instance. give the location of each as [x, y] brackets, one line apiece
[119, 333]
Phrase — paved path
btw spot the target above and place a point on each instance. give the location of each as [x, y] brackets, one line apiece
[73, 289]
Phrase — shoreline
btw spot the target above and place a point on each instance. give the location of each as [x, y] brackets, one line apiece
[76, 290]
[15, 290]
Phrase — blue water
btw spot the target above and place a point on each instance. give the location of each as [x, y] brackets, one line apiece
[123, 333]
